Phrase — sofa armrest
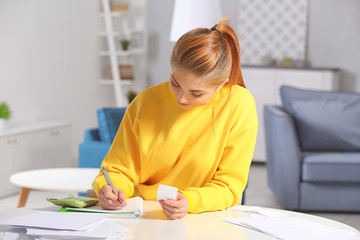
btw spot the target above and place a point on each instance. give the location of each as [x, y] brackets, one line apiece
[91, 154]
[284, 156]
[91, 135]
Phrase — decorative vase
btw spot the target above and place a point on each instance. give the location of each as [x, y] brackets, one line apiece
[4, 123]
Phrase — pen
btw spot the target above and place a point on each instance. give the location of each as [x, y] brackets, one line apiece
[108, 180]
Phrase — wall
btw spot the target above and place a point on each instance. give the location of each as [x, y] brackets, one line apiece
[159, 22]
[333, 40]
[48, 63]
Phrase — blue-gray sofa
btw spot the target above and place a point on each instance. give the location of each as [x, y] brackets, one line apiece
[313, 150]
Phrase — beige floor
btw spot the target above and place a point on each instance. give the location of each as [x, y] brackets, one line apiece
[257, 194]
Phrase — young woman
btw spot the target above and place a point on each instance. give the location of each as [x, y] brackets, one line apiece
[196, 132]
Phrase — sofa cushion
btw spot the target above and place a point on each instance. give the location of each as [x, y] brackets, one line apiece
[331, 167]
[325, 121]
[109, 120]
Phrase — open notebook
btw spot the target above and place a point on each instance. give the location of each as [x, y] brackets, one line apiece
[133, 209]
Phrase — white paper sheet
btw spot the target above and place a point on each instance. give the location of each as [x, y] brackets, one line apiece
[54, 220]
[102, 229]
[255, 210]
[166, 192]
[293, 228]
[14, 233]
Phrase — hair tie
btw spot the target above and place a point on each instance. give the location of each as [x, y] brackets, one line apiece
[214, 29]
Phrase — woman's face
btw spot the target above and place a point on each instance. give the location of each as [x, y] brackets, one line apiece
[189, 90]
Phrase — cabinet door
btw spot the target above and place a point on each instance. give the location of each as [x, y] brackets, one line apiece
[262, 86]
[50, 148]
[6, 169]
[57, 151]
[303, 79]
[20, 153]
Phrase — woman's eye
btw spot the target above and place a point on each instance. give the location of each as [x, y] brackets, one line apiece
[197, 95]
[174, 84]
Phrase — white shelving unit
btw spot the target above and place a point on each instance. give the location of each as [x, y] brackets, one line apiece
[117, 25]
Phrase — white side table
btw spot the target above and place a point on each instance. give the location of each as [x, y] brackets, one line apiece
[53, 180]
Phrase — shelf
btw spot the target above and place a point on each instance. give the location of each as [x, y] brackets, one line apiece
[292, 68]
[115, 14]
[22, 127]
[105, 34]
[125, 20]
[124, 82]
[123, 53]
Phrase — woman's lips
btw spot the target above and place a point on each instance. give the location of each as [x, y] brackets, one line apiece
[184, 105]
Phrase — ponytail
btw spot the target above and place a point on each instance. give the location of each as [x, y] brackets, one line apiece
[232, 44]
[212, 53]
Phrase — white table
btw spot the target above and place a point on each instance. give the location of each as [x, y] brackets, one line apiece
[154, 225]
[53, 180]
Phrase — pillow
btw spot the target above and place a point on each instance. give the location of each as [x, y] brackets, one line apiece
[325, 121]
[109, 120]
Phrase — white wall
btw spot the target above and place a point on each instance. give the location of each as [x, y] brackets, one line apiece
[48, 62]
[333, 41]
[159, 22]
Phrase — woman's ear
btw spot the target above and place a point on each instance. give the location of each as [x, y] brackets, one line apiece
[218, 88]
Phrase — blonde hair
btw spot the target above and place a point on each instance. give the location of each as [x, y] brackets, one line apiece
[212, 53]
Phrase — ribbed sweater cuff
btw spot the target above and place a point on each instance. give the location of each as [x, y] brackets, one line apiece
[194, 200]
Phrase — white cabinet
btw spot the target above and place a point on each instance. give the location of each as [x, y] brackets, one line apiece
[33, 146]
[264, 84]
[5, 170]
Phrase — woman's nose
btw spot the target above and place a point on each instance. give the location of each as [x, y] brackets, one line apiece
[181, 96]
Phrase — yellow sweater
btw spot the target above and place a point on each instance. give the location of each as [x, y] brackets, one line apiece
[205, 152]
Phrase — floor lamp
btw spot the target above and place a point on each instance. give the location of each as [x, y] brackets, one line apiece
[191, 14]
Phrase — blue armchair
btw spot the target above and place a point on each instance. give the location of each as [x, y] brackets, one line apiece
[313, 150]
[97, 141]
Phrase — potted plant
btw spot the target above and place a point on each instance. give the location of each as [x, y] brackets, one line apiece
[125, 44]
[131, 95]
[5, 114]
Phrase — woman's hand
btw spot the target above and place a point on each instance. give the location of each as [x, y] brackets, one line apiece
[108, 199]
[175, 209]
